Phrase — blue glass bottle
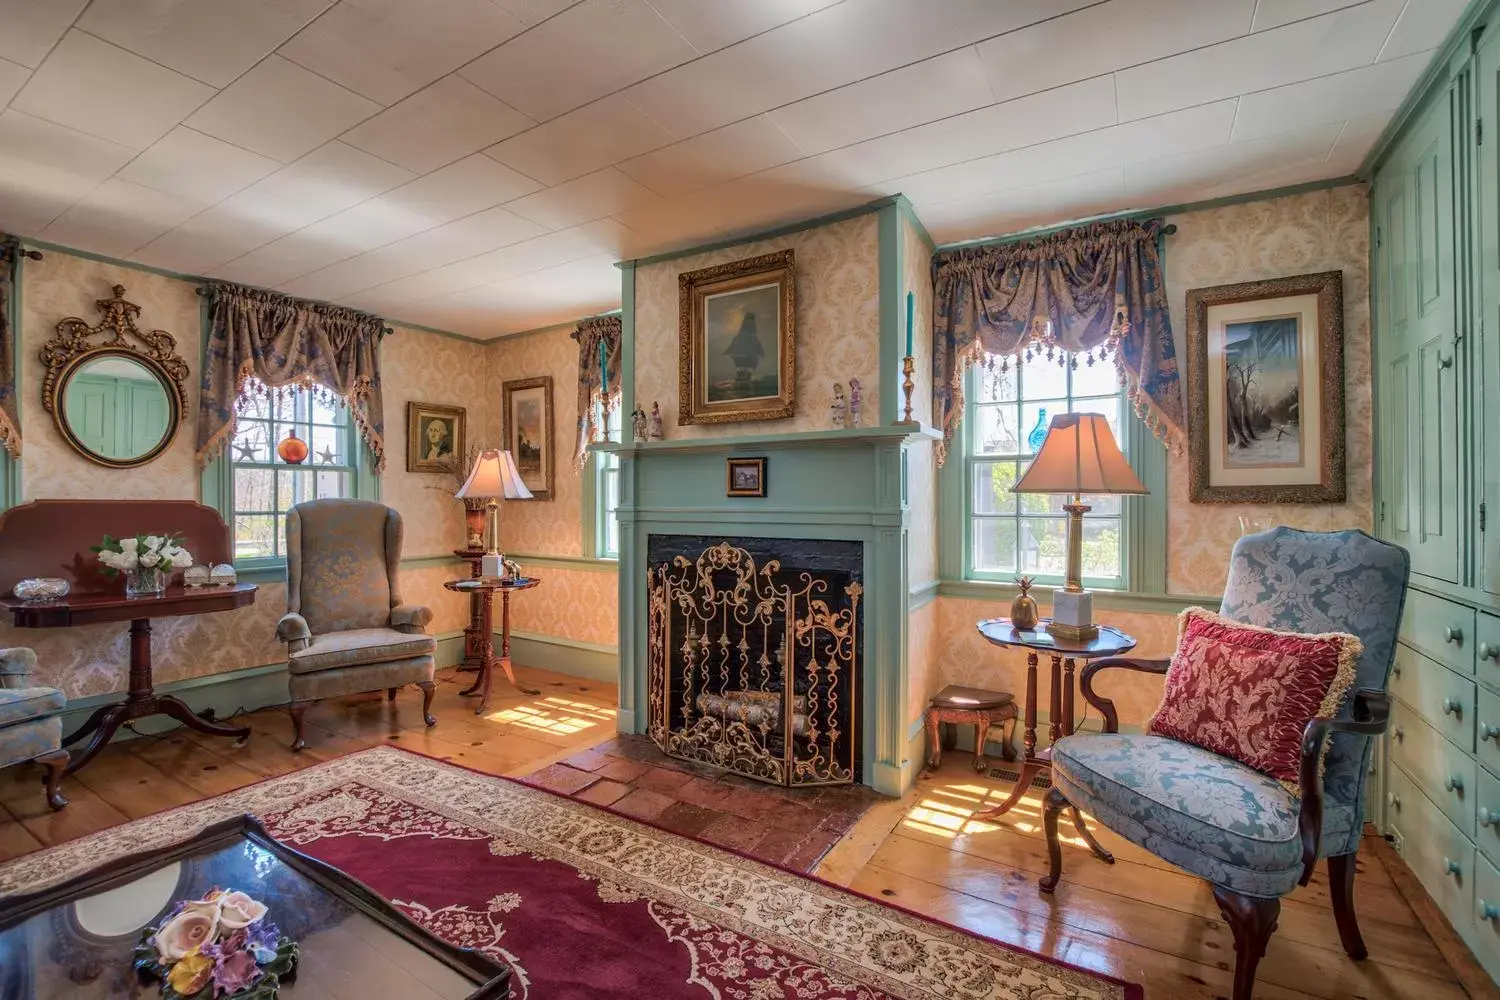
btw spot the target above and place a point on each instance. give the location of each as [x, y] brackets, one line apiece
[1039, 432]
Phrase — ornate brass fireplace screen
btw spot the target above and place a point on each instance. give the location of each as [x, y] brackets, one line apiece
[754, 669]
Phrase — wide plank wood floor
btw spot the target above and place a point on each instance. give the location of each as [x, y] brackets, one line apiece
[1139, 919]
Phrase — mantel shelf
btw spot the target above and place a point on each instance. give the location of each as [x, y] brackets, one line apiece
[904, 432]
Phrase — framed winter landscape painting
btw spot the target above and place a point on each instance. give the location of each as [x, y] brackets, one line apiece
[1265, 380]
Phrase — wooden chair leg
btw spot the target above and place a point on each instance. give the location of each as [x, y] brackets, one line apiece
[55, 762]
[428, 690]
[934, 741]
[1341, 887]
[981, 737]
[390, 694]
[1251, 920]
[297, 710]
[1055, 803]
[1009, 744]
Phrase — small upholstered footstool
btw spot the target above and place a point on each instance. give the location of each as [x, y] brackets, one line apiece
[957, 705]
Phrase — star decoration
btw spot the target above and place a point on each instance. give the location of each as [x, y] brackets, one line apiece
[244, 451]
[326, 456]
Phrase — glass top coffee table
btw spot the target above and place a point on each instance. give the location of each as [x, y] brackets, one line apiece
[76, 940]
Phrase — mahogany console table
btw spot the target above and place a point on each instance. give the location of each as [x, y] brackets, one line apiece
[141, 700]
[486, 588]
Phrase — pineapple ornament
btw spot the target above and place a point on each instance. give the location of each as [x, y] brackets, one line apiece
[1023, 612]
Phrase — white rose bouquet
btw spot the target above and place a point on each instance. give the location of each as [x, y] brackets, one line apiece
[122, 555]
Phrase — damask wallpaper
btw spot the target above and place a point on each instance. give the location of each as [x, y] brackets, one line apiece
[923, 674]
[1318, 231]
[576, 604]
[838, 324]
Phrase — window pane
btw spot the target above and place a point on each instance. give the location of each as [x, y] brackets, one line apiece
[322, 413]
[611, 524]
[328, 446]
[251, 442]
[1101, 547]
[1107, 504]
[254, 489]
[1098, 379]
[254, 536]
[256, 407]
[1034, 422]
[992, 483]
[1043, 545]
[995, 430]
[996, 386]
[995, 544]
[1043, 379]
[333, 484]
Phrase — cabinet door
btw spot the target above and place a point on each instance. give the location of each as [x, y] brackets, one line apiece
[1487, 354]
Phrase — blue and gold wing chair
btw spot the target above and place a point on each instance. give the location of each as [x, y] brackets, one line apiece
[1243, 831]
[30, 726]
[346, 628]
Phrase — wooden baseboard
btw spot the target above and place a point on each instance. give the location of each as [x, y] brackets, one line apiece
[1466, 968]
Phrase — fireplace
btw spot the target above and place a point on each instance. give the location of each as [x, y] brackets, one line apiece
[754, 655]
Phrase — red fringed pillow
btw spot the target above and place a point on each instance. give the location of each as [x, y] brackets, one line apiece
[1247, 692]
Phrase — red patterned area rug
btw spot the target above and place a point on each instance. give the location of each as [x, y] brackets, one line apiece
[582, 902]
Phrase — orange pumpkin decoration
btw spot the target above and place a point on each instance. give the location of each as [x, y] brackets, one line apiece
[292, 449]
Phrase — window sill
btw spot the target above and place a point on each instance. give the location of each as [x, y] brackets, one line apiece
[1104, 600]
[261, 571]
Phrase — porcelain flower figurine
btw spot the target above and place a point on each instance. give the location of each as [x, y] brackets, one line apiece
[839, 408]
[638, 425]
[856, 401]
[145, 560]
[220, 947]
[656, 434]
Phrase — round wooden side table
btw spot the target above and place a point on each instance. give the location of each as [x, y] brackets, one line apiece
[486, 588]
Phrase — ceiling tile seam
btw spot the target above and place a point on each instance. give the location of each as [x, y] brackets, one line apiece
[1389, 32]
[60, 36]
[162, 66]
[674, 29]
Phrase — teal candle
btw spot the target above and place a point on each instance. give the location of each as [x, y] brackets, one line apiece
[603, 371]
[911, 303]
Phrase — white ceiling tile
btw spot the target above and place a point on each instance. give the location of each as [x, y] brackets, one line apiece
[593, 196]
[830, 48]
[331, 178]
[1423, 25]
[1010, 211]
[368, 225]
[209, 40]
[32, 27]
[439, 124]
[1300, 51]
[580, 55]
[386, 50]
[54, 156]
[713, 24]
[1355, 141]
[1183, 175]
[281, 260]
[194, 165]
[530, 12]
[118, 217]
[1350, 94]
[582, 141]
[935, 88]
[714, 157]
[542, 298]
[28, 205]
[470, 185]
[12, 77]
[1274, 13]
[103, 90]
[701, 216]
[474, 234]
[230, 229]
[1028, 61]
[281, 110]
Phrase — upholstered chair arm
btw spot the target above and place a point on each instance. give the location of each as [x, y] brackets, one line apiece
[293, 630]
[1104, 705]
[1372, 711]
[410, 618]
[15, 666]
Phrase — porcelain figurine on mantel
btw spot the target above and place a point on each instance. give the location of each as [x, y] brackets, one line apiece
[656, 434]
[638, 425]
[856, 401]
[838, 410]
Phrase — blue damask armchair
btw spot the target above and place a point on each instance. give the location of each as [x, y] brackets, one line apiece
[1254, 839]
[30, 723]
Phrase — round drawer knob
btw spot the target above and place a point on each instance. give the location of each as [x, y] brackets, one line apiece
[1453, 634]
[1453, 868]
[1489, 732]
[1488, 911]
[1394, 800]
[1452, 706]
[1400, 734]
[1487, 818]
[1488, 652]
[1454, 784]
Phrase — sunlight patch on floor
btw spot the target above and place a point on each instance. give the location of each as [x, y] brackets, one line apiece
[947, 810]
[554, 715]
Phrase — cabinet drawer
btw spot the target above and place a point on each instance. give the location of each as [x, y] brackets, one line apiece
[1486, 938]
[1441, 629]
[1443, 771]
[1441, 696]
[1439, 855]
[1487, 648]
[1487, 817]
[1487, 729]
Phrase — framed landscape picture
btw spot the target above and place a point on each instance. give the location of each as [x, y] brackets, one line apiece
[1266, 391]
[737, 356]
[435, 437]
[745, 477]
[527, 405]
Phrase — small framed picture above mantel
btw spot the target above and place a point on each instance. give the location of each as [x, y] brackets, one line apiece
[1265, 386]
[745, 477]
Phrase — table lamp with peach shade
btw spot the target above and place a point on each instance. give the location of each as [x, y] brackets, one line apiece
[494, 476]
[1078, 457]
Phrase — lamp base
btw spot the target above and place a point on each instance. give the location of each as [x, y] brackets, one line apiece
[1073, 615]
[492, 565]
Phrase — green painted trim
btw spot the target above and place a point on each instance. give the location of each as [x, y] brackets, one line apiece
[10, 468]
[765, 234]
[879, 434]
[419, 328]
[920, 597]
[1145, 517]
[1001, 594]
[562, 655]
[916, 220]
[436, 559]
[546, 561]
[891, 310]
[1164, 210]
[1433, 79]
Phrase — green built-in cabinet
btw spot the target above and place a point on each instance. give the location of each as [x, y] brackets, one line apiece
[1435, 223]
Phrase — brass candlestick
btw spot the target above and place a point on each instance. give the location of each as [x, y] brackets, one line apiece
[909, 366]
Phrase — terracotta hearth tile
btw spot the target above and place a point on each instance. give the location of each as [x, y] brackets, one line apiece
[750, 803]
[632, 748]
[796, 819]
[839, 823]
[806, 857]
[686, 818]
[621, 769]
[778, 844]
[562, 778]
[590, 760]
[660, 779]
[643, 804]
[603, 793]
[734, 832]
[701, 792]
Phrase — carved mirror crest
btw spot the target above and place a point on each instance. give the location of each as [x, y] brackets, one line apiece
[117, 393]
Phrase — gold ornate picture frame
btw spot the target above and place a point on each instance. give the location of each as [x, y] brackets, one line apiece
[436, 437]
[745, 477]
[530, 434]
[1265, 391]
[736, 355]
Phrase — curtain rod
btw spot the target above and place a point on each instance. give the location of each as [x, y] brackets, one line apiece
[385, 331]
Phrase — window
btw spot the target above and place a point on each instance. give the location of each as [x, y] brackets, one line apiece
[264, 487]
[607, 492]
[1008, 412]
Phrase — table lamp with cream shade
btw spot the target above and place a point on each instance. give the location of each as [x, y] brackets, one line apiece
[1079, 456]
[494, 476]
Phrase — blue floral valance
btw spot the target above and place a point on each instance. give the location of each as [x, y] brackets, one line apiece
[10, 424]
[282, 341]
[1093, 291]
[592, 397]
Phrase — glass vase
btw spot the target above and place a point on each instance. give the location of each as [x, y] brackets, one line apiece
[143, 582]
